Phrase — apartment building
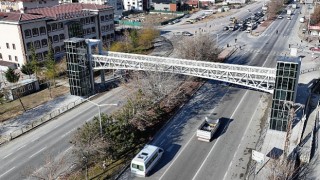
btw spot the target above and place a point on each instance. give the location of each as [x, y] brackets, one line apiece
[116, 4]
[136, 5]
[20, 31]
[24, 5]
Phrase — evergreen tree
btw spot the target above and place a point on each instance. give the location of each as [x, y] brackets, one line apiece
[35, 65]
[13, 77]
[27, 69]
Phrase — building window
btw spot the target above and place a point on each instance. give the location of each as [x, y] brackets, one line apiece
[103, 28]
[50, 39]
[106, 17]
[61, 36]
[89, 31]
[29, 45]
[93, 29]
[62, 48]
[107, 27]
[0, 56]
[7, 44]
[39, 56]
[84, 32]
[42, 30]
[57, 49]
[16, 58]
[82, 21]
[49, 28]
[10, 58]
[92, 20]
[54, 27]
[87, 20]
[102, 18]
[60, 25]
[45, 54]
[13, 46]
[35, 32]
[27, 33]
[44, 42]
[110, 16]
[37, 44]
[55, 38]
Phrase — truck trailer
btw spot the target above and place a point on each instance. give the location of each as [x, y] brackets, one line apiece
[207, 129]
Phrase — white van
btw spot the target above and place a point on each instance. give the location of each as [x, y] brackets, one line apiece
[145, 160]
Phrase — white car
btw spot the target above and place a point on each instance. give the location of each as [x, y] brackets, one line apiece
[280, 17]
[186, 33]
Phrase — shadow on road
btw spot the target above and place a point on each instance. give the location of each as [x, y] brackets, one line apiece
[224, 124]
[167, 157]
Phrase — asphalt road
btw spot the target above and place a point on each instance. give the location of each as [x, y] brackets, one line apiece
[27, 153]
[187, 158]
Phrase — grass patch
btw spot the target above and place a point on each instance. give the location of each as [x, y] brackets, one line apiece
[12, 109]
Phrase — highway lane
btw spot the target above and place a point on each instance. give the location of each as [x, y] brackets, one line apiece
[28, 151]
[193, 160]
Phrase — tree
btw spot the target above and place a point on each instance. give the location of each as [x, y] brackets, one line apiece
[35, 65]
[27, 69]
[51, 170]
[315, 17]
[51, 69]
[274, 8]
[202, 48]
[146, 37]
[13, 77]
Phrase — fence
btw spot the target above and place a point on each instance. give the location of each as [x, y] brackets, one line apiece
[40, 121]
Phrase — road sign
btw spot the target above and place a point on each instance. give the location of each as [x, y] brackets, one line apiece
[257, 156]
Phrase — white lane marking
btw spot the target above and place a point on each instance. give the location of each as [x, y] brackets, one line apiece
[21, 147]
[68, 149]
[177, 156]
[38, 152]
[68, 132]
[7, 171]
[245, 132]
[218, 138]
[162, 142]
[35, 139]
[7, 156]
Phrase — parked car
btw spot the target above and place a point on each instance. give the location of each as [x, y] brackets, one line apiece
[315, 48]
[280, 17]
[225, 28]
[289, 18]
[186, 33]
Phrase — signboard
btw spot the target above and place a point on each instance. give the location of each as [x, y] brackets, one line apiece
[257, 156]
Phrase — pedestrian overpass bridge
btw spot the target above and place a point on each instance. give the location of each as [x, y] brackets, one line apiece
[81, 61]
[259, 78]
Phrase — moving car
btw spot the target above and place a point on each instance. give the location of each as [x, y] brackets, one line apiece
[186, 33]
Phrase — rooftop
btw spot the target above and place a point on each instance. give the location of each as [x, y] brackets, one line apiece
[290, 59]
[54, 12]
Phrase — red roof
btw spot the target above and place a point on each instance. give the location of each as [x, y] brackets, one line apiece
[66, 8]
[18, 17]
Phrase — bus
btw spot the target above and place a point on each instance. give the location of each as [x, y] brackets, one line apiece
[145, 160]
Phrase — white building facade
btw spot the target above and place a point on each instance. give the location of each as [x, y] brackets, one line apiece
[236, 1]
[25, 5]
[37, 28]
[136, 5]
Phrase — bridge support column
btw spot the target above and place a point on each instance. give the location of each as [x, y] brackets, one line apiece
[287, 75]
[102, 76]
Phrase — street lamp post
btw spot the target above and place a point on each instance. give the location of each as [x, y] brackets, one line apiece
[99, 105]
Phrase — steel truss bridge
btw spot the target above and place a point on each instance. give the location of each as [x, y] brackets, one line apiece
[259, 78]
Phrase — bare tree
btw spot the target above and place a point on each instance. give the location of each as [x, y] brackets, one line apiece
[281, 168]
[53, 168]
[201, 47]
[274, 8]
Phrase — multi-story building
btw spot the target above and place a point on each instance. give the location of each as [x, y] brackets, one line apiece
[37, 28]
[116, 4]
[25, 5]
[136, 5]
